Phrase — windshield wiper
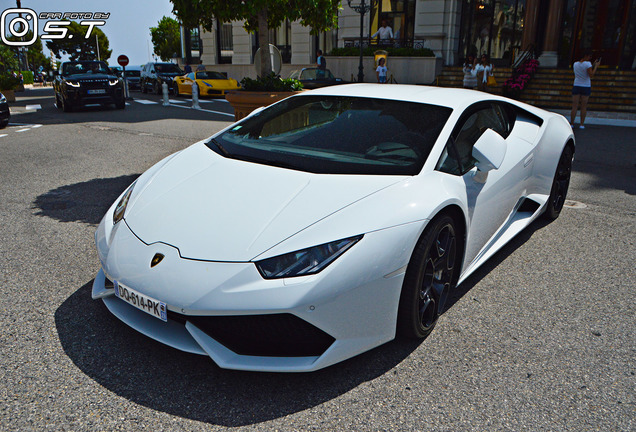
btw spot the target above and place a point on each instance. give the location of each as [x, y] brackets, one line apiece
[220, 147]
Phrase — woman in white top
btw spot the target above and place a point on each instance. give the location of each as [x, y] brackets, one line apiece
[483, 69]
[470, 76]
[582, 87]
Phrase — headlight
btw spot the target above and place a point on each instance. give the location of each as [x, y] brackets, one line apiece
[304, 262]
[73, 83]
[2, 98]
[113, 82]
[118, 214]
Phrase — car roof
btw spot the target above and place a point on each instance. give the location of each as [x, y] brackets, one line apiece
[449, 97]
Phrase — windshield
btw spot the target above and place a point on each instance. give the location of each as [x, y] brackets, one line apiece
[168, 68]
[210, 75]
[337, 135]
[133, 73]
[312, 74]
[81, 67]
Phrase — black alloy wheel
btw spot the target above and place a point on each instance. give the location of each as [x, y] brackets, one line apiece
[66, 106]
[142, 86]
[430, 276]
[157, 87]
[560, 185]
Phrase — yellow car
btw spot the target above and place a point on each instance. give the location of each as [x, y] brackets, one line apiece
[210, 83]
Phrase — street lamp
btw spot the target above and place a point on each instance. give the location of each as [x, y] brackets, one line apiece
[361, 7]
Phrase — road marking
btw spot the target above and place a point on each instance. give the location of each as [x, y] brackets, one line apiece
[146, 102]
[176, 101]
[36, 126]
[201, 109]
[23, 130]
[33, 107]
[3, 135]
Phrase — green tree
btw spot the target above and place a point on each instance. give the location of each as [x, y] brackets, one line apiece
[77, 47]
[166, 38]
[35, 56]
[259, 15]
[8, 59]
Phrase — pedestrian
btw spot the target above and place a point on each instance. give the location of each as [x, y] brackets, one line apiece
[321, 63]
[381, 71]
[201, 68]
[187, 69]
[470, 75]
[582, 87]
[385, 32]
[484, 69]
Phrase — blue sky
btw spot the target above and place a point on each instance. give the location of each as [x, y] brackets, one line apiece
[127, 28]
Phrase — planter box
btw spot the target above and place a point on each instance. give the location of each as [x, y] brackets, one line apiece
[405, 70]
[9, 94]
[244, 102]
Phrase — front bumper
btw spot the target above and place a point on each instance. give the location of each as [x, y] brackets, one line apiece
[81, 96]
[214, 307]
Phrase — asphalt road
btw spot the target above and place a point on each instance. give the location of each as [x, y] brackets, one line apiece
[541, 338]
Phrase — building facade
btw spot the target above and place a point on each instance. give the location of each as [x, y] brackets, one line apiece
[558, 31]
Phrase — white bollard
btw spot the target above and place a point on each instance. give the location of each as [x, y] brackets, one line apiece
[195, 96]
[164, 88]
[127, 89]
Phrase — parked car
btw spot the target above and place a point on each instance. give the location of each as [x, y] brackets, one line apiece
[87, 82]
[153, 75]
[133, 76]
[326, 224]
[117, 70]
[313, 78]
[209, 83]
[5, 115]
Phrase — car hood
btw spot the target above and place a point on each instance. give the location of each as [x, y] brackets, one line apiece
[88, 76]
[219, 209]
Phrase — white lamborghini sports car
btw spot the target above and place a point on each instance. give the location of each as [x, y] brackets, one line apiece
[329, 223]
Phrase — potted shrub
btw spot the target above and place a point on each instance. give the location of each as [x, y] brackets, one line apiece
[8, 84]
[260, 92]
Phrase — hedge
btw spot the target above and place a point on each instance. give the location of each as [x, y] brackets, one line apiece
[370, 51]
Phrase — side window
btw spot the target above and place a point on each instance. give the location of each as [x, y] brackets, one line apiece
[457, 157]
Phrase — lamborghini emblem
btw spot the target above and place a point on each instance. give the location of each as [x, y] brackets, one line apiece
[156, 259]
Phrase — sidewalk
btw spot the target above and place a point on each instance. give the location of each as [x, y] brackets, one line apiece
[602, 118]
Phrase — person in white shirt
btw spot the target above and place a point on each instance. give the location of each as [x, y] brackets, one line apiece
[483, 70]
[381, 71]
[582, 87]
[470, 75]
[385, 32]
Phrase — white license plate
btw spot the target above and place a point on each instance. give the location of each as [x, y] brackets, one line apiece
[141, 301]
[97, 91]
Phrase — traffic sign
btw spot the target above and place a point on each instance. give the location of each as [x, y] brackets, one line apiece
[122, 60]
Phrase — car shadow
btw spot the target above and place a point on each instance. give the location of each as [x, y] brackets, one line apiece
[151, 374]
[82, 202]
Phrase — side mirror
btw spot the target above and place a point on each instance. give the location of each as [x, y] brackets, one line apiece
[489, 151]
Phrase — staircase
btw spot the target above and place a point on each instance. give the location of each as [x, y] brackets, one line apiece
[612, 90]
[453, 76]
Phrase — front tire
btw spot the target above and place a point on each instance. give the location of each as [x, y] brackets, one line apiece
[560, 185]
[66, 106]
[430, 276]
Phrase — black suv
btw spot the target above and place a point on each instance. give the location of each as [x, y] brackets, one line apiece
[87, 82]
[153, 75]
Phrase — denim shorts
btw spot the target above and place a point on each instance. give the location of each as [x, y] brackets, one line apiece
[583, 91]
[382, 79]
